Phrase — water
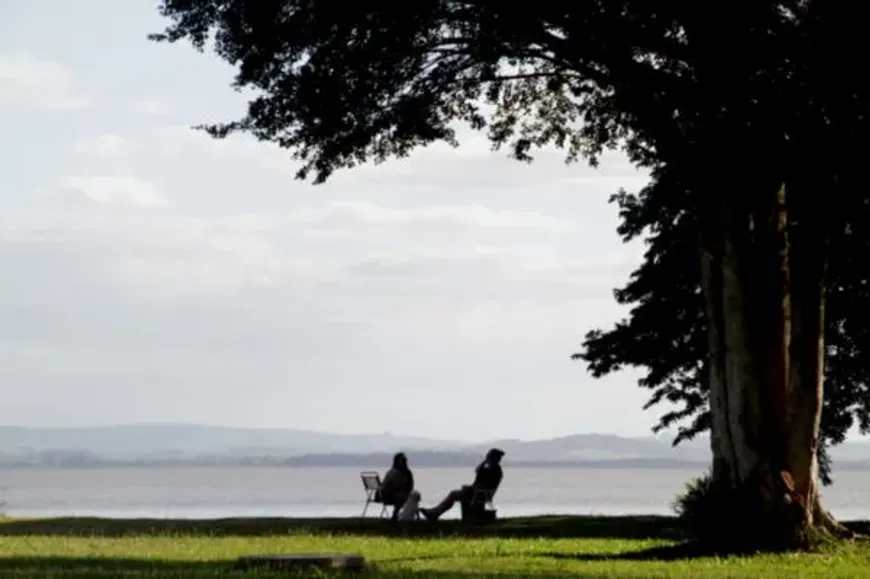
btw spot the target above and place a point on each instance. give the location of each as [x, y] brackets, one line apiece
[185, 492]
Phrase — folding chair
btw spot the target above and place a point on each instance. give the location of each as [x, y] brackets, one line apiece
[372, 484]
[479, 508]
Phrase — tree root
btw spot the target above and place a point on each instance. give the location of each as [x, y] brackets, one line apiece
[826, 522]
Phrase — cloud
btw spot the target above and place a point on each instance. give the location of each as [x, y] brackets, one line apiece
[388, 259]
[154, 257]
[151, 107]
[354, 214]
[101, 146]
[171, 264]
[472, 167]
[441, 168]
[350, 248]
[482, 276]
[114, 190]
[105, 172]
[26, 81]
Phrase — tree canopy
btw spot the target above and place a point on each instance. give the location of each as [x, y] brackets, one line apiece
[755, 213]
[340, 85]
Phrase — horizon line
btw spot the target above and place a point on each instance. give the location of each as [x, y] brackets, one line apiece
[158, 423]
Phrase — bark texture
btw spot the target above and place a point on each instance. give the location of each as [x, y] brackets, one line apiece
[763, 279]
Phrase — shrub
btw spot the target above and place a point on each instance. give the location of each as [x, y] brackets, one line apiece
[696, 507]
[729, 519]
[713, 516]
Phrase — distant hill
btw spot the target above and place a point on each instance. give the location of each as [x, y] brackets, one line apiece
[141, 440]
[586, 447]
[188, 443]
[436, 459]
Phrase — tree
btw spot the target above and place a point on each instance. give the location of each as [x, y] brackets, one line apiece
[665, 331]
[737, 108]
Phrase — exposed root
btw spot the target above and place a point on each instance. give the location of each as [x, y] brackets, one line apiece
[825, 521]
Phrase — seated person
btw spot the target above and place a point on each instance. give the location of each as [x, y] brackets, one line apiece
[488, 475]
[397, 484]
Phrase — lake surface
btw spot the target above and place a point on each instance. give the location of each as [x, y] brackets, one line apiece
[207, 492]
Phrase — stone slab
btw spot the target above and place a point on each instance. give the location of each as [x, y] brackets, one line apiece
[347, 561]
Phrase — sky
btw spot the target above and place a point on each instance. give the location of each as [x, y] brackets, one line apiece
[152, 274]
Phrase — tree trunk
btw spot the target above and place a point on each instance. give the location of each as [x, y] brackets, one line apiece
[765, 305]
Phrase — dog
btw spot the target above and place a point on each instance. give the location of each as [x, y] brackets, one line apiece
[410, 511]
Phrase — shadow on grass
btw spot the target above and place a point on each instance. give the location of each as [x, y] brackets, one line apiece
[106, 568]
[640, 527]
[684, 550]
[678, 552]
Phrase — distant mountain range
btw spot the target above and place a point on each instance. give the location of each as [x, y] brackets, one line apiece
[173, 439]
[188, 443]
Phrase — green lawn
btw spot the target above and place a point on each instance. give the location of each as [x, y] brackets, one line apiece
[534, 547]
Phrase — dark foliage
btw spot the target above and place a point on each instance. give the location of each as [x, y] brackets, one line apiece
[665, 331]
[666, 301]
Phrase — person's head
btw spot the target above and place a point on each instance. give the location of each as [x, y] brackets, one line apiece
[494, 455]
[400, 461]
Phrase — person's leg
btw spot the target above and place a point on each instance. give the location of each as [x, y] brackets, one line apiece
[445, 505]
[396, 501]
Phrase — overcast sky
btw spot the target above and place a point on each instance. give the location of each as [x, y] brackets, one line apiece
[152, 274]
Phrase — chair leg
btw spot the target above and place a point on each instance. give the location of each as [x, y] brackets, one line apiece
[365, 508]
[384, 511]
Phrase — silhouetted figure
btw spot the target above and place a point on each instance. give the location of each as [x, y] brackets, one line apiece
[397, 484]
[487, 477]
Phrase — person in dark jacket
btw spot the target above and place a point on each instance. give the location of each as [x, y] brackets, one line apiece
[487, 477]
[397, 484]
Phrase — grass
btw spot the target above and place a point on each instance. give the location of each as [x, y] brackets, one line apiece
[585, 547]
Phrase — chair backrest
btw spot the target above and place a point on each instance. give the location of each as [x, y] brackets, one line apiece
[483, 497]
[371, 480]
